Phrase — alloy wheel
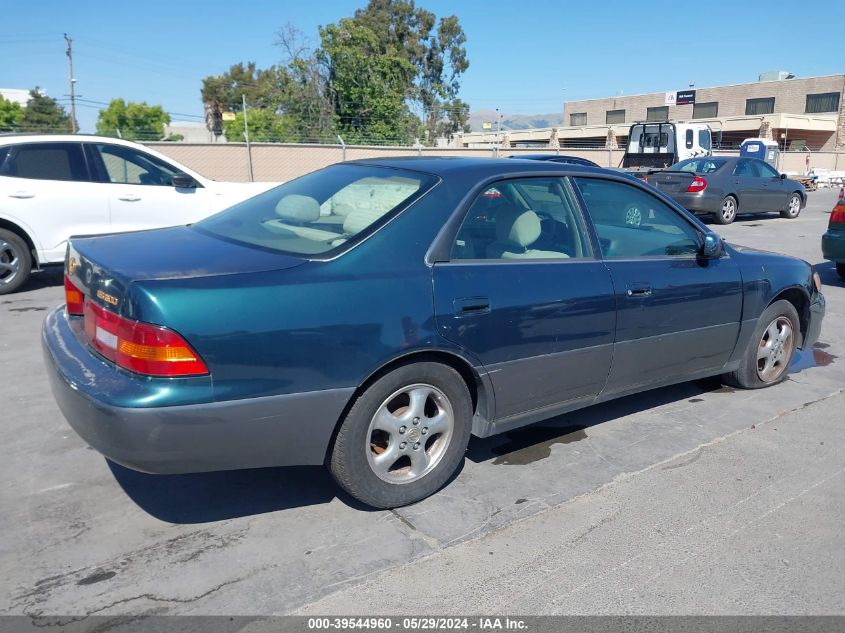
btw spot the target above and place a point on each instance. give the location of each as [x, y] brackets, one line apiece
[10, 263]
[409, 433]
[775, 349]
[728, 210]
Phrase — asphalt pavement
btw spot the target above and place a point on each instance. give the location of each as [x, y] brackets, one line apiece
[690, 499]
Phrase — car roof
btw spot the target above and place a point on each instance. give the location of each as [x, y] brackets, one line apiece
[15, 137]
[446, 166]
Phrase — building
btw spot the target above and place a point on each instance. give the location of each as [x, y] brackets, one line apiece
[16, 95]
[799, 113]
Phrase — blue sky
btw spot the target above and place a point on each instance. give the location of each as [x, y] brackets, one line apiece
[525, 57]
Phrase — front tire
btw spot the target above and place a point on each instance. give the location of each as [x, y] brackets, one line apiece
[793, 209]
[404, 437]
[727, 211]
[770, 350]
[15, 262]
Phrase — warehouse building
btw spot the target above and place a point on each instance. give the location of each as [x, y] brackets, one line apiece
[799, 113]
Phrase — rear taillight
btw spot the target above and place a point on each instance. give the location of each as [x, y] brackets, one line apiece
[837, 216]
[73, 298]
[151, 350]
[698, 184]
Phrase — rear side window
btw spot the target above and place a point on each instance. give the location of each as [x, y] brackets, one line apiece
[523, 219]
[47, 161]
[698, 165]
[322, 211]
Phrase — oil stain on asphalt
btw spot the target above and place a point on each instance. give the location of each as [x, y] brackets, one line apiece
[533, 443]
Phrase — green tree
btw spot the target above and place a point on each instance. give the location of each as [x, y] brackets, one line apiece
[11, 115]
[452, 118]
[133, 121]
[43, 115]
[369, 84]
[436, 50]
[264, 126]
[225, 93]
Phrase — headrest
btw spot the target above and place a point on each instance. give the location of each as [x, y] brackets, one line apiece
[298, 208]
[360, 218]
[518, 226]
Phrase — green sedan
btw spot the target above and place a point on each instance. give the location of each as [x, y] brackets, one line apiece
[833, 242]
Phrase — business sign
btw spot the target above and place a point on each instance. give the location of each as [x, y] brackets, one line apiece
[486, 125]
[670, 99]
[685, 97]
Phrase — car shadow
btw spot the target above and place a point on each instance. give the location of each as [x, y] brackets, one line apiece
[217, 496]
[528, 443]
[828, 275]
[47, 277]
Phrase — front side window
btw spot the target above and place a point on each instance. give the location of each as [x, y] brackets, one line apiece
[631, 222]
[704, 139]
[47, 161]
[530, 218]
[766, 170]
[321, 211]
[764, 105]
[126, 166]
[823, 102]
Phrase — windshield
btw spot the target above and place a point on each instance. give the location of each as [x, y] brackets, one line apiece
[321, 211]
[698, 165]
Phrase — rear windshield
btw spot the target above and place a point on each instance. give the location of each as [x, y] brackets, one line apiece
[322, 211]
[698, 165]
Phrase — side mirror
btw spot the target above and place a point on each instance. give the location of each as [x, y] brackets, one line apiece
[182, 180]
[783, 176]
[712, 247]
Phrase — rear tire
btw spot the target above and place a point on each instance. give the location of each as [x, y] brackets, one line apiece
[404, 437]
[15, 262]
[840, 269]
[727, 211]
[770, 350]
[793, 208]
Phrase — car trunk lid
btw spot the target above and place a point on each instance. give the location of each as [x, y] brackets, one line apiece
[670, 182]
[102, 267]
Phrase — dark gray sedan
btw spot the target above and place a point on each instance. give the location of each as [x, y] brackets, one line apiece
[726, 186]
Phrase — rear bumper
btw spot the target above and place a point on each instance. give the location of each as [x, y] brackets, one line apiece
[698, 203]
[283, 430]
[833, 245]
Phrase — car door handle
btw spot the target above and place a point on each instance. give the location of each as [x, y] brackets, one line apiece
[22, 194]
[639, 291]
[129, 197]
[471, 305]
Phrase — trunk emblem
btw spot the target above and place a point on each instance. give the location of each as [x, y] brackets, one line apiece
[107, 297]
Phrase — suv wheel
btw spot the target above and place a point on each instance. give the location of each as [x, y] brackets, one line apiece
[15, 262]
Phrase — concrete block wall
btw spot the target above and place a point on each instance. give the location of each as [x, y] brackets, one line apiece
[277, 162]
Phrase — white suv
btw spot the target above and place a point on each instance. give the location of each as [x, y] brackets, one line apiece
[53, 187]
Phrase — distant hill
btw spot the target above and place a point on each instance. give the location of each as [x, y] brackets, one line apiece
[515, 121]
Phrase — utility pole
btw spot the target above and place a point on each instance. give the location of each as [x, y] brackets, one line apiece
[246, 138]
[73, 125]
